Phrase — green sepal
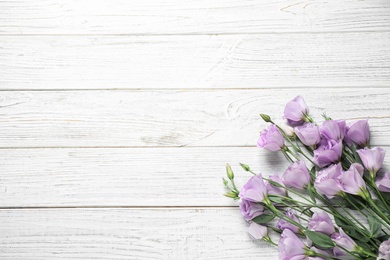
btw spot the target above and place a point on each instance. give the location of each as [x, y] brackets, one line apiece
[320, 239]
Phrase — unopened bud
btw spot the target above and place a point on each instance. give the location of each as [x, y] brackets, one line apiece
[229, 172]
[232, 195]
[245, 167]
[266, 118]
[225, 182]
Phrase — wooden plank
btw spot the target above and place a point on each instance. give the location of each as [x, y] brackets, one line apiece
[127, 177]
[127, 118]
[229, 61]
[128, 234]
[118, 177]
[196, 17]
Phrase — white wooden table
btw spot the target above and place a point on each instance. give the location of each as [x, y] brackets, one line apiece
[117, 117]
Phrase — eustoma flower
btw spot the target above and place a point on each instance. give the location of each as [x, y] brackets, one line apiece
[372, 159]
[327, 182]
[309, 134]
[257, 231]
[328, 152]
[352, 180]
[358, 132]
[271, 139]
[344, 241]
[296, 111]
[283, 224]
[383, 182]
[296, 175]
[251, 209]
[254, 190]
[274, 190]
[321, 222]
[333, 130]
[290, 246]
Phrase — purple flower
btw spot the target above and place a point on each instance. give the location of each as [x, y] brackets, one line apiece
[342, 240]
[372, 159]
[309, 134]
[352, 180]
[328, 152]
[327, 182]
[333, 129]
[290, 246]
[250, 209]
[257, 231]
[321, 222]
[273, 189]
[295, 111]
[358, 132]
[271, 139]
[283, 224]
[383, 182]
[384, 250]
[296, 175]
[254, 190]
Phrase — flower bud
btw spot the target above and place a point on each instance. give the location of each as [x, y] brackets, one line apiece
[229, 172]
[245, 167]
[266, 118]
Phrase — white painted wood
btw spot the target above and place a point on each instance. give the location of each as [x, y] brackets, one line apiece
[128, 234]
[190, 17]
[197, 61]
[172, 118]
[127, 177]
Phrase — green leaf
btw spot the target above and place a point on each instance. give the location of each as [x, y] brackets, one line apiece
[320, 239]
[264, 219]
[275, 199]
[375, 226]
[383, 238]
[352, 231]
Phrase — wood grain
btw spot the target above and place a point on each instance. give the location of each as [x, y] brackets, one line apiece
[128, 234]
[127, 118]
[127, 177]
[185, 17]
[200, 61]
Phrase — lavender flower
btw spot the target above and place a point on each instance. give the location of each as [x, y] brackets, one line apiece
[254, 190]
[327, 182]
[328, 152]
[309, 134]
[321, 222]
[296, 111]
[352, 180]
[290, 246]
[384, 250]
[283, 224]
[358, 132]
[333, 130]
[383, 182]
[257, 231]
[372, 159]
[273, 189]
[271, 139]
[296, 175]
[250, 209]
[342, 240]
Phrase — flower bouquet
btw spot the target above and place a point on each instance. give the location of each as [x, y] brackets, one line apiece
[332, 202]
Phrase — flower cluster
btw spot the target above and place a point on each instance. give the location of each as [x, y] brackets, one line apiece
[332, 201]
